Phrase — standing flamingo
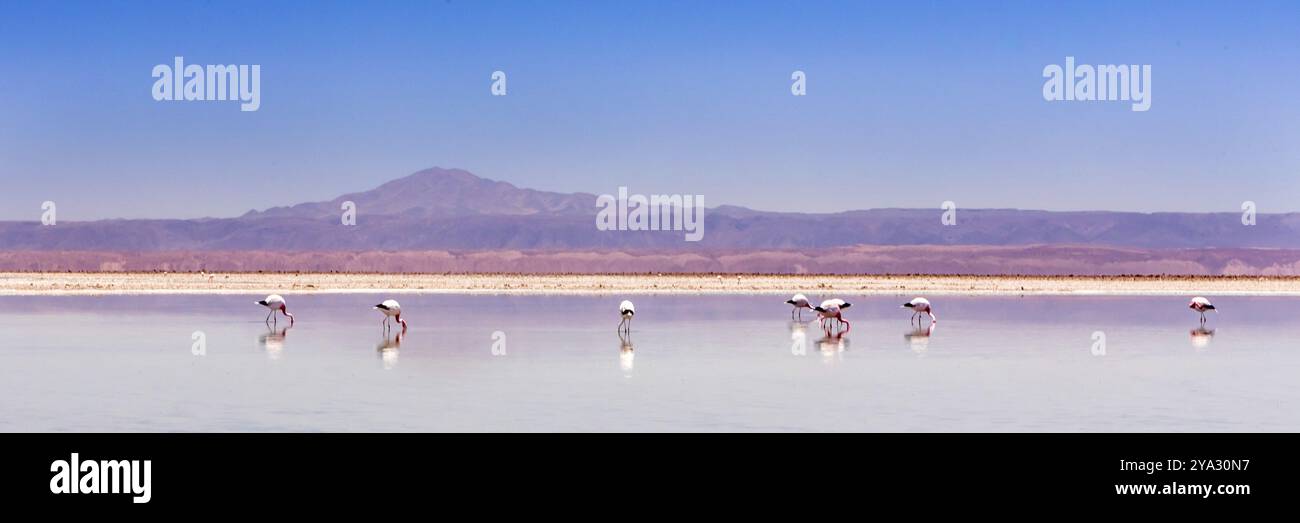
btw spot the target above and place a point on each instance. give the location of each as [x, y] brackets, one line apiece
[626, 310]
[920, 305]
[800, 302]
[830, 309]
[275, 303]
[1200, 304]
[391, 309]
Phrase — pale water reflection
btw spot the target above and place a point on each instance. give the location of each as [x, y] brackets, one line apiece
[626, 355]
[272, 341]
[390, 349]
[918, 339]
[1201, 338]
[708, 363]
[832, 347]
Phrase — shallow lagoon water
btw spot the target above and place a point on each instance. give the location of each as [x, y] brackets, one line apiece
[692, 363]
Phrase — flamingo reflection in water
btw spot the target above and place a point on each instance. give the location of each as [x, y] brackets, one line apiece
[919, 339]
[389, 349]
[798, 338]
[1201, 338]
[626, 355]
[832, 347]
[273, 342]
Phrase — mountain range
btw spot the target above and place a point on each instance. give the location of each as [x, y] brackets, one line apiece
[454, 211]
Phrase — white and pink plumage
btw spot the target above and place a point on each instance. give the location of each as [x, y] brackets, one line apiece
[392, 310]
[832, 310]
[799, 302]
[1200, 304]
[276, 303]
[626, 311]
[920, 305]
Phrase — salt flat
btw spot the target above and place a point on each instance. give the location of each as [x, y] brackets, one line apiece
[93, 283]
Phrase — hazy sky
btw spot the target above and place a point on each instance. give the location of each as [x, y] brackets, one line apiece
[906, 105]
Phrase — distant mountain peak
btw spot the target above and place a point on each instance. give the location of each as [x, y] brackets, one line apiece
[434, 176]
[440, 192]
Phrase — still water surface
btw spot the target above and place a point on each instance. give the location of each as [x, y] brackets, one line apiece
[692, 363]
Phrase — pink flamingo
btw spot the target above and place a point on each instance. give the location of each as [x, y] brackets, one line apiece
[830, 309]
[276, 304]
[391, 310]
[800, 302]
[921, 305]
[1200, 304]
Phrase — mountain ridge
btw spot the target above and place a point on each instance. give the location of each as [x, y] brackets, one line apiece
[442, 192]
[440, 208]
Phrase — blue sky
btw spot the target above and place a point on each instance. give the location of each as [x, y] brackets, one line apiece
[907, 105]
